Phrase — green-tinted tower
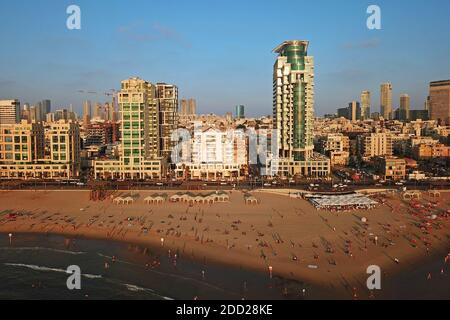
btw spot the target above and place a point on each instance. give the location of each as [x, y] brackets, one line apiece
[293, 100]
[140, 122]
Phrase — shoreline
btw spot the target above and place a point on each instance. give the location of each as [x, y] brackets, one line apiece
[333, 280]
[316, 287]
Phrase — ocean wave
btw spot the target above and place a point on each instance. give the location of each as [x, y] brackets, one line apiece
[168, 274]
[116, 260]
[135, 288]
[42, 249]
[49, 269]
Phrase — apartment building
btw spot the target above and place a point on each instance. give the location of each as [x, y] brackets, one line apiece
[22, 151]
[429, 151]
[215, 154]
[391, 168]
[140, 135]
[375, 144]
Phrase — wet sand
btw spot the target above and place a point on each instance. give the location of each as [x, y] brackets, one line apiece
[331, 250]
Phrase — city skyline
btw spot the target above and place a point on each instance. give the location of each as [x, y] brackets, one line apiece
[216, 72]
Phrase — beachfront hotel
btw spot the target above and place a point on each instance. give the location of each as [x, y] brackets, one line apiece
[293, 112]
[140, 134]
[214, 154]
[25, 154]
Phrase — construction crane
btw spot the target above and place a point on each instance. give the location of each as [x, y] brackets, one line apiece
[112, 94]
[89, 92]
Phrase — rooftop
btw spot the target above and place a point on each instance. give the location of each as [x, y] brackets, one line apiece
[281, 47]
[440, 83]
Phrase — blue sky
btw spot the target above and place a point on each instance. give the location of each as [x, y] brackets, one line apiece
[219, 52]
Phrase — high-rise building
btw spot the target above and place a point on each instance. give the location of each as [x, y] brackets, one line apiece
[293, 80]
[354, 111]
[365, 105]
[114, 113]
[39, 112]
[98, 111]
[293, 111]
[87, 112]
[192, 107]
[109, 111]
[46, 107]
[343, 113]
[183, 107]
[34, 114]
[240, 112]
[440, 101]
[426, 104]
[64, 137]
[9, 111]
[167, 96]
[64, 114]
[405, 107]
[386, 101]
[188, 107]
[140, 158]
[140, 121]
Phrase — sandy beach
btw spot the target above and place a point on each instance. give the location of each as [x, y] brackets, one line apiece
[330, 249]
